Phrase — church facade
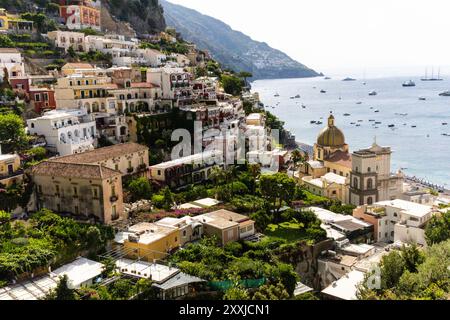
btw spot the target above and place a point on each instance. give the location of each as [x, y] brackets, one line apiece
[367, 174]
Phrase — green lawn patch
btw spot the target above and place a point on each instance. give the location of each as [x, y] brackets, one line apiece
[290, 231]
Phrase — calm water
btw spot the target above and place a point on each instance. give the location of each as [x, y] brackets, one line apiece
[422, 151]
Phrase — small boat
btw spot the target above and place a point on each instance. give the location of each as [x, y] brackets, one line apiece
[364, 83]
[371, 120]
[376, 111]
[347, 114]
[371, 108]
[323, 91]
[303, 106]
[373, 93]
[409, 83]
[292, 97]
[358, 125]
[327, 78]
[360, 120]
[377, 122]
[413, 126]
[348, 79]
[297, 96]
[444, 123]
[359, 102]
[401, 114]
[445, 94]
[312, 121]
[319, 122]
[352, 123]
[276, 94]
[422, 98]
[391, 125]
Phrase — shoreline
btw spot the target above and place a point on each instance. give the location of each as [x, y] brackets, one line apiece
[411, 179]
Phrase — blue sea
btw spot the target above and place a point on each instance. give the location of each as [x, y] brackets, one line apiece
[421, 151]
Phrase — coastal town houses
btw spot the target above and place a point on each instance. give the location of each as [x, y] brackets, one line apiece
[83, 191]
[226, 225]
[10, 169]
[130, 159]
[175, 83]
[80, 14]
[12, 23]
[187, 170]
[397, 220]
[11, 62]
[65, 131]
[67, 39]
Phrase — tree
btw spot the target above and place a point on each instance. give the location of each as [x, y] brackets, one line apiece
[12, 133]
[438, 228]
[6, 42]
[168, 199]
[244, 75]
[236, 293]
[62, 291]
[140, 188]
[232, 84]
[271, 292]
[277, 188]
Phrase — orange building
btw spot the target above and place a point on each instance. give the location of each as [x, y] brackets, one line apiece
[80, 14]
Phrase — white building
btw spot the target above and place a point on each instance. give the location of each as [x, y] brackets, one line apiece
[66, 131]
[397, 220]
[345, 288]
[80, 273]
[115, 45]
[11, 59]
[152, 57]
[175, 83]
[67, 39]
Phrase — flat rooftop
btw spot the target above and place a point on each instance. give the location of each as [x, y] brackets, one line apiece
[411, 208]
[346, 287]
[142, 269]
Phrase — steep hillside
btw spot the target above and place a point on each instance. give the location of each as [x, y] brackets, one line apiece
[145, 16]
[232, 48]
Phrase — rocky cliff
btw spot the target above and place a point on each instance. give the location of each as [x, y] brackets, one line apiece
[231, 48]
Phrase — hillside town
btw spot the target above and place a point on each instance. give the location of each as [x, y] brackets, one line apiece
[138, 168]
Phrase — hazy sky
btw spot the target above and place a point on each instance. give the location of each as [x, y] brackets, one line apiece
[331, 35]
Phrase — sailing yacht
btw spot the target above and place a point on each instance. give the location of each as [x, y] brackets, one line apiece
[432, 75]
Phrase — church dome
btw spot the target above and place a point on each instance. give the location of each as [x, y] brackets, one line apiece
[331, 136]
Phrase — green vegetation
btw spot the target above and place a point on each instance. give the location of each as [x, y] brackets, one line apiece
[232, 84]
[12, 133]
[410, 274]
[239, 261]
[139, 189]
[46, 239]
[438, 228]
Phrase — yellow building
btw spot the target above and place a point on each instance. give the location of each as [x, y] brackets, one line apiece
[330, 155]
[10, 171]
[150, 241]
[330, 185]
[82, 190]
[10, 22]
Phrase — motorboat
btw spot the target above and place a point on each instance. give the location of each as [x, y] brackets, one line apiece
[347, 114]
[391, 125]
[409, 83]
[348, 79]
[360, 120]
[445, 94]
[377, 111]
[373, 93]
[319, 122]
[327, 78]
[276, 94]
[444, 123]
[323, 91]
[312, 121]
[422, 98]
[413, 126]
[359, 102]
[297, 96]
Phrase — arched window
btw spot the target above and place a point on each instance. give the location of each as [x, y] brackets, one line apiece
[62, 138]
[369, 184]
[369, 200]
[355, 183]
